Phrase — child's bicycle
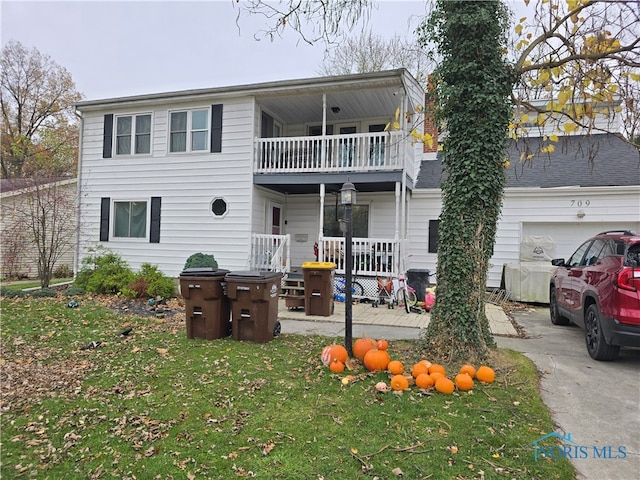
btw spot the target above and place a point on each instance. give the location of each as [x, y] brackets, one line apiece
[340, 289]
[396, 291]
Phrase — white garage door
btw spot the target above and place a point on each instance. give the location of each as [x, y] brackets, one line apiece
[569, 236]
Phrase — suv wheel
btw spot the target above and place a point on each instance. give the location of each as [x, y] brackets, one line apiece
[597, 347]
[554, 313]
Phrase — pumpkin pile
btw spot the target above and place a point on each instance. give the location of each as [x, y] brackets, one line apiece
[423, 374]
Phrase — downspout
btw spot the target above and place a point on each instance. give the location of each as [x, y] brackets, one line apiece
[76, 253]
[403, 203]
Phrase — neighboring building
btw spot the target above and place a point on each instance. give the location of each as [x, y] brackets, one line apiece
[19, 253]
[252, 173]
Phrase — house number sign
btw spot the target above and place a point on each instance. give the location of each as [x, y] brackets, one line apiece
[580, 203]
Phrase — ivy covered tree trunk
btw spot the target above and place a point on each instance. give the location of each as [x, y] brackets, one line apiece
[472, 87]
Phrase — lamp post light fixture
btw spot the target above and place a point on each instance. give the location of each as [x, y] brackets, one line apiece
[348, 199]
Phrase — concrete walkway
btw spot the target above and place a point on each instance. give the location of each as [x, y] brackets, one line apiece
[392, 324]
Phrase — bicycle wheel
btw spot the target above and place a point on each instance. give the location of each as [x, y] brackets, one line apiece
[402, 299]
[357, 290]
[412, 298]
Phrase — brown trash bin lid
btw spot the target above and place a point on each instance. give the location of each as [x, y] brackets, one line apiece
[203, 272]
[253, 275]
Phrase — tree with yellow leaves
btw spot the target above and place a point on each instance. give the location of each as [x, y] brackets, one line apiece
[578, 68]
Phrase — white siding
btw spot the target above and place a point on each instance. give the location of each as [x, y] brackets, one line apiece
[187, 184]
[549, 212]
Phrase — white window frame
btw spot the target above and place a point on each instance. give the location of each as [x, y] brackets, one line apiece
[190, 130]
[147, 202]
[133, 135]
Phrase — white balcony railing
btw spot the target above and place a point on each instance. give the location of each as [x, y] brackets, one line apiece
[372, 257]
[270, 253]
[333, 153]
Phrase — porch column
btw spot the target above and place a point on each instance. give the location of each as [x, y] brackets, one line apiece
[320, 226]
[323, 142]
[396, 235]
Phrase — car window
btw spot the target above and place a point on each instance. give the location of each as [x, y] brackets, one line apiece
[576, 258]
[632, 258]
[599, 249]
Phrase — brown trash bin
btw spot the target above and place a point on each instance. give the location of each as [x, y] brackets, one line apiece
[318, 288]
[206, 305]
[254, 299]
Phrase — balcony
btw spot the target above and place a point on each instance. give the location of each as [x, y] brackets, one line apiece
[360, 152]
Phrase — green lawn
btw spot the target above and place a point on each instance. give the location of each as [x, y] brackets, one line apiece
[155, 404]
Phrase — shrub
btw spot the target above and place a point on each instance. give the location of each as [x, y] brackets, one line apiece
[201, 260]
[104, 272]
[73, 291]
[43, 292]
[63, 271]
[12, 292]
[151, 282]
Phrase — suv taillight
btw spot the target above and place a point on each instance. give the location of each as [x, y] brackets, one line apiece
[626, 278]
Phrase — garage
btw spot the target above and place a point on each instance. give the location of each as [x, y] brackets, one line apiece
[569, 236]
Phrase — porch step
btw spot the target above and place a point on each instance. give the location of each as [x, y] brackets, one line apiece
[293, 292]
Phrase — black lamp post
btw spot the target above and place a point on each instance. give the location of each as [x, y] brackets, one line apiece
[348, 198]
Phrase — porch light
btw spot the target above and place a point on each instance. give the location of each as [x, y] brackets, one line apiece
[348, 193]
[348, 198]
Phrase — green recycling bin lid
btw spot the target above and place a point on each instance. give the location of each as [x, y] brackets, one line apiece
[319, 265]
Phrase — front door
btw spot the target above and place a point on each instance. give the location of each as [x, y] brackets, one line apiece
[276, 219]
[346, 152]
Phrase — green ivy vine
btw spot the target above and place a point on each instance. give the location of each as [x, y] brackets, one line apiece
[471, 89]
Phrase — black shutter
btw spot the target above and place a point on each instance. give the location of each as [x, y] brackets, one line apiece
[433, 235]
[216, 128]
[105, 205]
[154, 234]
[107, 139]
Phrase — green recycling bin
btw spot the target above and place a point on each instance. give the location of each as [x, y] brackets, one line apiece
[206, 305]
[254, 299]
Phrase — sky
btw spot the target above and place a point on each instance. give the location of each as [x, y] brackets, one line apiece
[122, 48]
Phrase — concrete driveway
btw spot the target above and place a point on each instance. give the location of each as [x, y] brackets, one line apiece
[597, 403]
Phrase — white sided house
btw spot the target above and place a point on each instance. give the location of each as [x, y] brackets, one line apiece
[252, 173]
[552, 203]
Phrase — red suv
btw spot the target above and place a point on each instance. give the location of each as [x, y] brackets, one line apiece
[598, 289]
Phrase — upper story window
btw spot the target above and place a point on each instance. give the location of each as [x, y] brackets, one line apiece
[189, 131]
[133, 134]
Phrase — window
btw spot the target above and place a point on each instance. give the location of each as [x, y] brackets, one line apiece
[189, 131]
[130, 219]
[433, 236]
[334, 215]
[133, 130]
[219, 207]
[577, 257]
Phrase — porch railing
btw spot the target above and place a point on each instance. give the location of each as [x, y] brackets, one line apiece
[371, 256]
[333, 153]
[270, 253]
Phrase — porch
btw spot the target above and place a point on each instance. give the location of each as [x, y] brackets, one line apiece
[357, 153]
[372, 257]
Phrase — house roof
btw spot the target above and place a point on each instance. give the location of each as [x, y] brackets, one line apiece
[15, 186]
[585, 161]
[293, 99]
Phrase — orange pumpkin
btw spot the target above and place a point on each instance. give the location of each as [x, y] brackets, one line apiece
[444, 385]
[336, 366]
[376, 360]
[395, 367]
[424, 380]
[419, 368]
[382, 344]
[361, 346]
[464, 382]
[331, 352]
[437, 368]
[436, 376]
[399, 382]
[426, 362]
[486, 374]
[468, 369]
